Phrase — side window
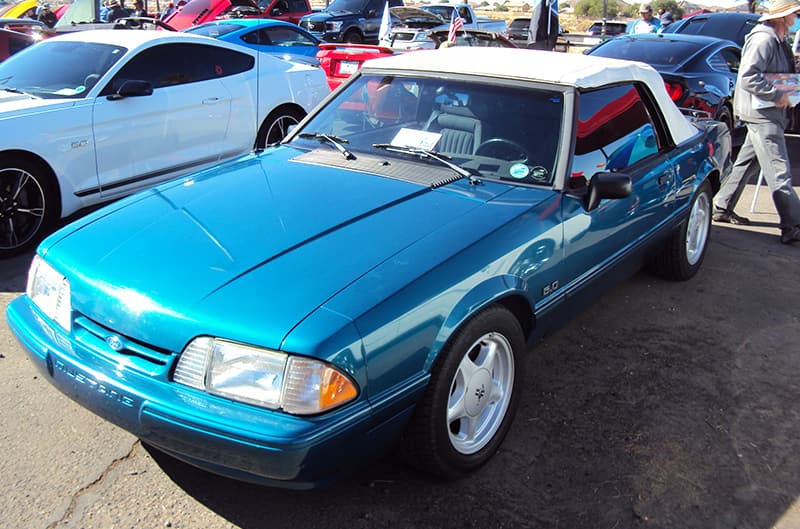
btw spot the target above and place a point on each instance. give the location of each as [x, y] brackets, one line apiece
[287, 36]
[614, 131]
[175, 64]
[255, 37]
[726, 60]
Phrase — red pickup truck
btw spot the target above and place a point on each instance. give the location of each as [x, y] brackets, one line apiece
[200, 11]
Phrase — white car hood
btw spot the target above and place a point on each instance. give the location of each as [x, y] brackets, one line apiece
[16, 104]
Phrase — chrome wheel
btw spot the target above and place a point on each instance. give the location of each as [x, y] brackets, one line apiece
[697, 229]
[22, 208]
[480, 393]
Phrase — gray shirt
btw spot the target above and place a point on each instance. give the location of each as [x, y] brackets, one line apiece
[763, 52]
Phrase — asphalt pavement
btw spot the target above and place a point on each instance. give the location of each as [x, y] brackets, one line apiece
[663, 405]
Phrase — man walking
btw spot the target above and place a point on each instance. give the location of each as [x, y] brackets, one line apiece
[766, 112]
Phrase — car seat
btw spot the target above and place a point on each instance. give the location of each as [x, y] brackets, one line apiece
[460, 129]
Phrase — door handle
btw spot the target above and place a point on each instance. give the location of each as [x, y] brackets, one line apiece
[211, 101]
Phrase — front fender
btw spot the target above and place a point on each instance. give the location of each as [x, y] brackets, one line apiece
[479, 297]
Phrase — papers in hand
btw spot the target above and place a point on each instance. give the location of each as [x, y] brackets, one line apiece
[785, 82]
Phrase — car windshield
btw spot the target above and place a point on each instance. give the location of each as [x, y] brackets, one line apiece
[519, 23]
[213, 30]
[655, 52]
[489, 131]
[346, 5]
[72, 68]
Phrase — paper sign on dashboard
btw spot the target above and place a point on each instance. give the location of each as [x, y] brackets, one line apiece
[418, 139]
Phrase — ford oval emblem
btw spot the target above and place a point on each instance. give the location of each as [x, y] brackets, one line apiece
[115, 342]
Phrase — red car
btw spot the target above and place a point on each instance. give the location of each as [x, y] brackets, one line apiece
[340, 61]
[200, 11]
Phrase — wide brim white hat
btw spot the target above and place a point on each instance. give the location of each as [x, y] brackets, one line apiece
[780, 9]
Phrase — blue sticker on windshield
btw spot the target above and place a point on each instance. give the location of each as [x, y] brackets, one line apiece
[519, 171]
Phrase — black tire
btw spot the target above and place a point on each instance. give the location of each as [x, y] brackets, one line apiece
[276, 125]
[353, 37]
[476, 376]
[724, 115]
[685, 250]
[29, 203]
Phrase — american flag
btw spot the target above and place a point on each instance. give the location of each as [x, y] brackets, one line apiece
[456, 23]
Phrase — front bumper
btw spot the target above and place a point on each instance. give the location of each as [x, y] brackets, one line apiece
[228, 438]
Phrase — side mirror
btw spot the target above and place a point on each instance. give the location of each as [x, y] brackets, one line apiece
[606, 185]
[132, 88]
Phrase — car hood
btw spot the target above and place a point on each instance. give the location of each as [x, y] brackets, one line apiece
[12, 103]
[247, 249]
[328, 15]
[414, 17]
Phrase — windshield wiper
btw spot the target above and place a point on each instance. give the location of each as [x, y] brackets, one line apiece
[429, 154]
[18, 91]
[330, 139]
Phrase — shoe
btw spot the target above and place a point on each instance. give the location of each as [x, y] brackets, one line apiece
[791, 235]
[729, 217]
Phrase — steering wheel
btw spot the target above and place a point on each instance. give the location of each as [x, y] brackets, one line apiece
[503, 149]
[90, 80]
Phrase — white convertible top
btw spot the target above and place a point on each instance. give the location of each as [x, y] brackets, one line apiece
[572, 69]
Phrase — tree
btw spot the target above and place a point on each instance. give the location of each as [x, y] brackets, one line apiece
[668, 5]
[594, 8]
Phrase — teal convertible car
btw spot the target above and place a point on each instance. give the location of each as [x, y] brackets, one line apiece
[381, 274]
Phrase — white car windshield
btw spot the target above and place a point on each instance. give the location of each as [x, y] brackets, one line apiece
[58, 69]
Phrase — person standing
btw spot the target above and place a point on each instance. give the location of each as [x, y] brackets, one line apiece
[647, 23]
[138, 9]
[766, 111]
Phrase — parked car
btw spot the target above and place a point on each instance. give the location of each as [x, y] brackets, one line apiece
[518, 29]
[723, 25]
[12, 42]
[699, 72]
[447, 234]
[340, 61]
[201, 11]
[348, 21]
[410, 27]
[36, 29]
[95, 115]
[612, 28]
[262, 34]
[21, 9]
[411, 32]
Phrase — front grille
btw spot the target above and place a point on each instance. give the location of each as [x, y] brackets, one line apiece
[111, 344]
[310, 25]
[402, 37]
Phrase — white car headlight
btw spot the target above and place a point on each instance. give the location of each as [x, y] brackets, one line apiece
[333, 26]
[262, 377]
[50, 291]
[421, 36]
